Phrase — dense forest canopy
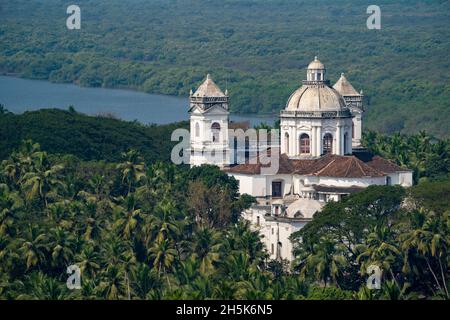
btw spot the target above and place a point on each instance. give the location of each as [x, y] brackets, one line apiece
[258, 49]
[158, 231]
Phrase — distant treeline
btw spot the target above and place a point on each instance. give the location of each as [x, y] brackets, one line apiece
[258, 49]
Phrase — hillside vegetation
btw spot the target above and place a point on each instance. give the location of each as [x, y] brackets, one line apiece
[258, 49]
[86, 137]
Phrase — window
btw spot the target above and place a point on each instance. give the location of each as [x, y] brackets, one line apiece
[272, 248]
[276, 189]
[327, 143]
[304, 143]
[215, 128]
[257, 221]
[353, 130]
[197, 129]
[286, 141]
[388, 181]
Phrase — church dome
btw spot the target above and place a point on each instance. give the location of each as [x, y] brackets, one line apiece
[315, 94]
[315, 98]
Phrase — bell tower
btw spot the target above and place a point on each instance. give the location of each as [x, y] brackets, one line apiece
[354, 102]
[209, 117]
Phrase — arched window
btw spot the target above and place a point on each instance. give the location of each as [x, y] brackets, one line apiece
[304, 143]
[197, 129]
[327, 143]
[345, 143]
[353, 130]
[286, 141]
[215, 128]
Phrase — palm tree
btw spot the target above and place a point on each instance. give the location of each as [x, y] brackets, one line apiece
[113, 284]
[379, 251]
[207, 248]
[42, 180]
[428, 237]
[128, 219]
[326, 262]
[61, 243]
[163, 224]
[144, 280]
[163, 255]
[40, 287]
[88, 261]
[133, 168]
[33, 247]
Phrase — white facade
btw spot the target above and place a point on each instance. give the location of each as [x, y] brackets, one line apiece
[320, 131]
[209, 125]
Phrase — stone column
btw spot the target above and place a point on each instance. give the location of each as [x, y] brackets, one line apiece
[319, 141]
[312, 141]
[337, 147]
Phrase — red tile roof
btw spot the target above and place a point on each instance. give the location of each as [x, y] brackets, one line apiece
[327, 166]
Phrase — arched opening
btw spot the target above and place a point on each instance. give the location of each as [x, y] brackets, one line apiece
[286, 142]
[215, 128]
[197, 129]
[327, 143]
[304, 143]
[345, 143]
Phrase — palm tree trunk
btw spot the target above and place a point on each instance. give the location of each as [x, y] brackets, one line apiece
[434, 275]
[395, 280]
[443, 277]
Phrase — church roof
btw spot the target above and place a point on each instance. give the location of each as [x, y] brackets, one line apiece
[208, 89]
[344, 87]
[380, 163]
[342, 166]
[326, 166]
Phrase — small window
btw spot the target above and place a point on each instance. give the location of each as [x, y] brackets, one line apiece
[276, 189]
[257, 221]
[197, 129]
[215, 128]
[272, 249]
[327, 143]
[304, 143]
[345, 143]
[286, 141]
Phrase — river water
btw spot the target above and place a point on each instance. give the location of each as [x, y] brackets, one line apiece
[20, 95]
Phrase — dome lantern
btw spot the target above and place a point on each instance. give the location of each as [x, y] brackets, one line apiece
[316, 71]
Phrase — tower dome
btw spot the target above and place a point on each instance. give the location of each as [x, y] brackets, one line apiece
[316, 64]
[208, 89]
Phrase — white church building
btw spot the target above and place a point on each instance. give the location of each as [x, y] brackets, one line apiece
[321, 156]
